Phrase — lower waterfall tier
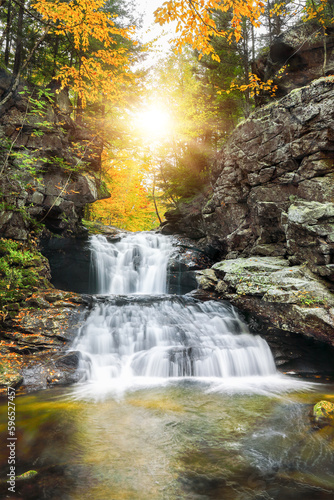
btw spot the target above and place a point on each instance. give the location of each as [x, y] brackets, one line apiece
[169, 336]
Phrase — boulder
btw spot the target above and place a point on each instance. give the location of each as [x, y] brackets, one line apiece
[33, 345]
[294, 59]
[290, 298]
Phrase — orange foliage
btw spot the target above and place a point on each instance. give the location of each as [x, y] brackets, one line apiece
[195, 25]
[102, 70]
[130, 205]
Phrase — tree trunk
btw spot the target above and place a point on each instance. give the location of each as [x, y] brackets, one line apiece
[246, 71]
[325, 53]
[7, 31]
[55, 54]
[19, 41]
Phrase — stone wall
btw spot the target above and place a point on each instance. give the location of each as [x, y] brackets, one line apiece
[49, 165]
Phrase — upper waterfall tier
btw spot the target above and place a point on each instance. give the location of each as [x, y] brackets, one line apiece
[136, 264]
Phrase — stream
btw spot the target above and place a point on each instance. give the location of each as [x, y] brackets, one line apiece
[177, 400]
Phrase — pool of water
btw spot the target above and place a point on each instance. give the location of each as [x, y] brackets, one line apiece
[185, 439]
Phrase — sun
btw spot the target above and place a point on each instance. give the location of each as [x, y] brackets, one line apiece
[154, 122]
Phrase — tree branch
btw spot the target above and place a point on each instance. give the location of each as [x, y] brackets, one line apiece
[12, 88]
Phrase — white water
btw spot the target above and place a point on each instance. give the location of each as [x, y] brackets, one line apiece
[155, 335]
[136, 264]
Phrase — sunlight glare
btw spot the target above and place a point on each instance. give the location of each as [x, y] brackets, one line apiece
[154, 122]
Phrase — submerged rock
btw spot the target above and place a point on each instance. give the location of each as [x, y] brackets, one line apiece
[324, 411]
[26, 475]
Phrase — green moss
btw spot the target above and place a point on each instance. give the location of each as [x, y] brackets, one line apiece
[26, 475]
[323, 409]
[21, 271]
[102, 191]
[95, 227]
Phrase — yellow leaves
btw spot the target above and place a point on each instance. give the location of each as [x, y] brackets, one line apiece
[196, 26]
[254, 86]
[85, 21]
[318, 11]
[130, 206]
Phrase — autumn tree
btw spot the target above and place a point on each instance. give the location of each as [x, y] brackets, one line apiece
[80, 42]
[132, 204]
[197, 128]
[196, 25]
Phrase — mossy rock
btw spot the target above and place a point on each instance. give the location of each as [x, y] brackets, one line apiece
[10, 379]
[324, 410]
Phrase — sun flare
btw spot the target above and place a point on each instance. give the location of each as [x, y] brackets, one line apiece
[154, 122]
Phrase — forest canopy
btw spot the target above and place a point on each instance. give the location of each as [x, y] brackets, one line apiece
[161, 126]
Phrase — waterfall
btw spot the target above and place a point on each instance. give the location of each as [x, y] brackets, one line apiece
[136, 264]
[138, 330]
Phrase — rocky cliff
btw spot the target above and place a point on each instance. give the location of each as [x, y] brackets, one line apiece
[295, 58]
[49, 165]
[273, 197]
[49, 171]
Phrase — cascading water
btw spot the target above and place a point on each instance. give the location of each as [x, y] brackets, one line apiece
[136, 264]
[137, 330]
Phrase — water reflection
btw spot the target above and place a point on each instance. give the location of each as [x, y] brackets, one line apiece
[174, 442]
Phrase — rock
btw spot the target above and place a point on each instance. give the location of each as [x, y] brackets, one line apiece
[301, 52]
[10, 380]
[61, 182]
[70, 359]
[33, 345]
[37, 302]
[289, 298]
[26, 475]
[69, 260]
[272, 185]
[323, 411]
[207, 279]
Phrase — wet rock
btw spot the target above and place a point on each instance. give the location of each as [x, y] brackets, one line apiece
[290, 298]
[33, 343]
[48, 369]
[187, 257]
[324, 410]
[26, 475]
[70, 359]
[10, 380]
[69, 260]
